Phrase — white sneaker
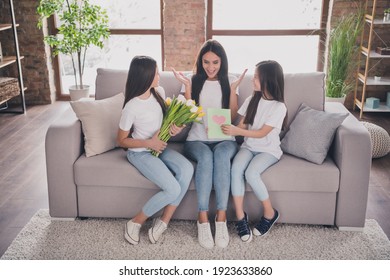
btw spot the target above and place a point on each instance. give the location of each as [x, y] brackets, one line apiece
[205, 237]
[221, 234]
[132, 232]
[157, 230]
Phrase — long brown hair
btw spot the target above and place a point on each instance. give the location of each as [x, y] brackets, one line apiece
[200, 76]
[271, 81]
[141, 75]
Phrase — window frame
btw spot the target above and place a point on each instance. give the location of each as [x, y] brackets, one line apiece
[321, 32]
[113, 31]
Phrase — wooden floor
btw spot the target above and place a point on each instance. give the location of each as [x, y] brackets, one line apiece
[23, 186]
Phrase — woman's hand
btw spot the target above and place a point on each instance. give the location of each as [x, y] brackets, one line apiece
[234, 85]
[230, 129]
[182, 78]
[156, 144]
[185, 81]
[174, 129]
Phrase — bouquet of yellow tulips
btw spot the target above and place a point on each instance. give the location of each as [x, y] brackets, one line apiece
[180, 111]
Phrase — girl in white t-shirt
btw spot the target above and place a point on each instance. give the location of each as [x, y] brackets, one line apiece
[211, 87]
[142, 117]
[263, 115]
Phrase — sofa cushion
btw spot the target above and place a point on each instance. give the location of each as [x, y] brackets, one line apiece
[109, 82]
[99, 122]
[311, 133]
[113, 169]
[292, 174]
[108, 169]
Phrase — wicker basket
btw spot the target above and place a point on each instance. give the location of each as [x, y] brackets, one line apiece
[9, 87]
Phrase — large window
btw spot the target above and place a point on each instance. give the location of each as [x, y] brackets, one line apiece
[136, 28]
[289, 31]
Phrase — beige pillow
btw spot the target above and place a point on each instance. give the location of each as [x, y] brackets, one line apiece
[100, 122]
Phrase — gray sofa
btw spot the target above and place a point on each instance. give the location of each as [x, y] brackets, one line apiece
[106, 185]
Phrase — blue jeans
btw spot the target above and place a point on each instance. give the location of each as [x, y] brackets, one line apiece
[171, 171]
[213, 166]
[251, 165]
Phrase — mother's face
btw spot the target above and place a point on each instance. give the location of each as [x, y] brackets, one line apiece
[211, 64]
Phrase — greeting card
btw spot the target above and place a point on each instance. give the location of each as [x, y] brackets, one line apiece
[216, 118]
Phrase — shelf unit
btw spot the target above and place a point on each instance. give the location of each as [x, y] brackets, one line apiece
[369, 54]
[16, 59]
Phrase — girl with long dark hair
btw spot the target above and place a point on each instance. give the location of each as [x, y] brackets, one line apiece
[263, 115]
[141, 117]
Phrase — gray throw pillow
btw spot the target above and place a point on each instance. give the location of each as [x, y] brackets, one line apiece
[311, 134]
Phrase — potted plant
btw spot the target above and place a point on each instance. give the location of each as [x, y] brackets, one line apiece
[81, 26]
[378, 76]
[342, 56]
[386, 14]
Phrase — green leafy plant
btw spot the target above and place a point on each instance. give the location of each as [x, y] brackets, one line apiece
[81, 26]
[342, 55]
[387, 11]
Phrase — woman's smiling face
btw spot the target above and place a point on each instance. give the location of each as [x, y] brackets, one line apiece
[211, 64]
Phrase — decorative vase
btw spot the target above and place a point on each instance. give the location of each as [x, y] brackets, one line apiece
[76, 92]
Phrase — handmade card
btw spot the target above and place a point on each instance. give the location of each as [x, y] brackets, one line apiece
[216, 118]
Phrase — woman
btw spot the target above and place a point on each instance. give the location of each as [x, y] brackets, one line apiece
[211, 87]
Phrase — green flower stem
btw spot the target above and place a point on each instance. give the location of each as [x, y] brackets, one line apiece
[177, 113]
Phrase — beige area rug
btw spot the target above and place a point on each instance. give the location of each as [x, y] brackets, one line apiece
[46, 239]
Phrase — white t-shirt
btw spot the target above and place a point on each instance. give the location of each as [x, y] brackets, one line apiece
[269, 112]
[144, 115]
[210, 97]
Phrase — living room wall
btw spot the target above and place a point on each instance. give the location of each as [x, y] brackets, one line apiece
[184, 33]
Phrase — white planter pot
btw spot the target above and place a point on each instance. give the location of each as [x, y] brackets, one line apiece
[335, 99]
[77, 93]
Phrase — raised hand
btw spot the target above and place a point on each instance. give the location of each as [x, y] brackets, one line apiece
[237, 82]
[182, 78]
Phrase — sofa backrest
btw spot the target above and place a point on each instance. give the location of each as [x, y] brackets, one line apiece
[299, 88]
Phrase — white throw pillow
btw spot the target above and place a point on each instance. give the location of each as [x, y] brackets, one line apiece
[100, 122]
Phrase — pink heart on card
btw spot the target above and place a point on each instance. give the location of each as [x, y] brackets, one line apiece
[219, 119]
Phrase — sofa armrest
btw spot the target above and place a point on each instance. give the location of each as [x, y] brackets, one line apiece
[63, 146]
[351, 151]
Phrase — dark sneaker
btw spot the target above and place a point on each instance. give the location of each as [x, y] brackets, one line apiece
[265, 225]
[243, 229]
